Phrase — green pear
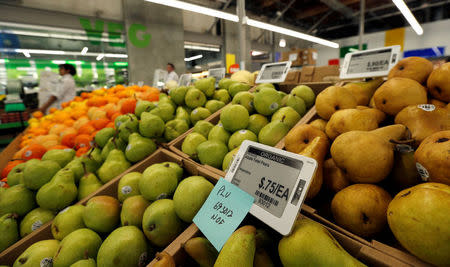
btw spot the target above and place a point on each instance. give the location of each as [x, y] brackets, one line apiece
[212, 153]
[128, 185]
[93, 159]
[80, 244]
[238, 137]
[218, 133]
[203, 127]
[264, 85]
[160, 223]
[127, 128]
[296, 103]
[296, 250]
[101, 214]
[195, 98]
[67, 221]
[256, 122]
[39, 172]
[121, 119]
[84, 263]
[9, 230]
[177, 95]
[282, 94]
[198, 114]
[206, 85]
[190, 195]
[190, 144]
[77, 168]
[167, 100]
[245, 99]
[35, 219]
[182, 114]
[267, 101]
[151, 125]
[133, 209]
[288, 115]
[201, 250]
[38, 254]
[102, 136]
[165, 111]
[234, 117]
[15, 176]
[139, 147]
[170, 165]
[162, 95]
[175, 128]
[238, 87]
[222, 95]
[113, 143]
[158, 182]
[17, 199]
[272, 133]
[225, 83]
[61, 156]
[114, 165]
[126, 246]
[305, 93]
[239, 250]
[229, 158]
[143, 106]
[59, 193]
[88, 184]
[214, 105]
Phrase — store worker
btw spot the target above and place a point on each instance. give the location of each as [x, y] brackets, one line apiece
[63, 91]
[172, 76]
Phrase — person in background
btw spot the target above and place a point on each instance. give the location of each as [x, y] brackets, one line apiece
[172, 76]
[63, 91]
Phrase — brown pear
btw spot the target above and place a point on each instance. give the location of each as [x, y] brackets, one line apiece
[334, 178]
[362, 119]
[398, 93]
[300, 136]
[404, 173]
[363, 91]
[424, 120]
[415, 68]
[319, 124]
[361, 209]
[433, 158]
[396, 132]
[437, 103]
[163, 259]
[439, 83]
[317, 149]
[332, 99]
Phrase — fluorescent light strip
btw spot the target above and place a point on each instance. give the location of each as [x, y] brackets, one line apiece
[60, 52]
[84, 50]
[203, 48]
[100, 57]
[197, 9]
[277, 29]
[408, 16]
[193, 58]
[58, 62]
[26, 54]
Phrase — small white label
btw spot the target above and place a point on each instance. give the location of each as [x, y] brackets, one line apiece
[293, 57]
[28, 153]
[195, 111]
[67, 149]
[220, 124]
[46, 262]
[82, 145]
[402, 148]
[427, 107]
[128, 147]
[36, 225]
[314, 55]
[273, 106]
[126, 190]
[64, 210]
[243, 131]
[118, 124]
[422, 172]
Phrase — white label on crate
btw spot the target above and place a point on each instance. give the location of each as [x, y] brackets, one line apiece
[315, 55]
[422, 172]
[126, 190]
[36, 225]
[427, 107]
[293, 57]
[46, 262]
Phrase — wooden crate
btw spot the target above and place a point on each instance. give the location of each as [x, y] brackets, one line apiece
[8, 153]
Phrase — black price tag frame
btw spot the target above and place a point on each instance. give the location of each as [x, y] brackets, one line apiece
[280, 69]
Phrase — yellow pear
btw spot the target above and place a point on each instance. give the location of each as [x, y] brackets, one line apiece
[398, 93]
[319, 124]
[416, 68]
[433, 158]
[439, 83]
[423, 121]
[363, 91]
[163, 259]
[363, 119]
[239, 250]
[317, 149]
[300, 136]
[332, 99]
[437, 103]
[334, 178]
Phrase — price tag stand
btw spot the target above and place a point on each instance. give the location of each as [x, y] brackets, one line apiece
[273, 72]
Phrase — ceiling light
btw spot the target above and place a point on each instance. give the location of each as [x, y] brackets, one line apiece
[84, 50]
[60, 52]
[257, 53]
[193, 58]
[282, 43]
[197, 9]
[39, 51]
[203, 48]
[277, 29]
[58, 62]
[100, 57]
[408, 16]
[27, 54]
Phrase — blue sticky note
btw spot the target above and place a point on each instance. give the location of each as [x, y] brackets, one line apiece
[223, 211]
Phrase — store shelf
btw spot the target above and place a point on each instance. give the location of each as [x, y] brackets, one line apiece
[11, 125]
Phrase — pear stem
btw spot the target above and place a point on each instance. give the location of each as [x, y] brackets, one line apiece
[84, 168]
[399, 142]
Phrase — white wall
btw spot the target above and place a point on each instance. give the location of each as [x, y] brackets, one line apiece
[435, 34]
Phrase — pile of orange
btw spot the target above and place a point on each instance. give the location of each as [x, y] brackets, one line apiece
[75, 125]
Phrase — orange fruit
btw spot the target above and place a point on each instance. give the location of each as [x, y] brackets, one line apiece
[100, 123]
[9, 167]
[69, 122]
[81, 151]
[86, 129]
[128, 106]
[58, 147]
[37, 114]
[115, 115]
[33, 151]
[82, 140]
[110, 125]
[68, 140]
[78, 99]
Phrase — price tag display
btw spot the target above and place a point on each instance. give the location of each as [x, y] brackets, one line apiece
[278, 180]
[218, 73]
[185, 79]
[159, 78]
[223, 211]
[274, 72]
[370, 63]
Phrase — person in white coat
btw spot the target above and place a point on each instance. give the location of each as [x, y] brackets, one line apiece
[172, 75]
[63, 91]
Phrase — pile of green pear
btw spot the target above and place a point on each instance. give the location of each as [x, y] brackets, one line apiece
[309, 244]
[265, 116]
[151, 209]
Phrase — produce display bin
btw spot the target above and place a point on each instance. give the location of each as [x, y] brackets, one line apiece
[8, 153]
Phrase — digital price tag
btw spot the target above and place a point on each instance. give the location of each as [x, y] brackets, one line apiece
[218, 73]
[185, 79]
[277, 179]
[370, 63]
[159, 78]
[223, 211]
[274, 72]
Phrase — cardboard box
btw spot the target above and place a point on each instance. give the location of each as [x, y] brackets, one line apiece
[309, 56]
[295, 56]
[319, 74]
[292, 77]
